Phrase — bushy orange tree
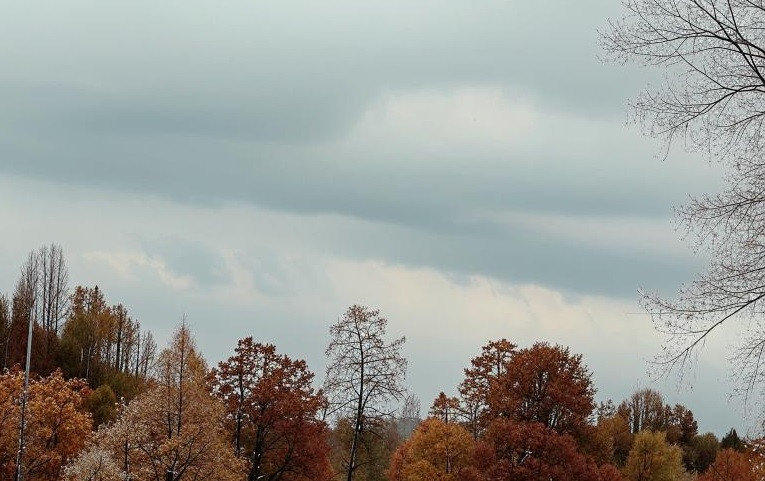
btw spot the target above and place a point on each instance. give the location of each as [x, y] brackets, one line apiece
[58, 424]
[436, 451]
[731, 465]
[544, 384]
[483, 372]
[530, 411]
[529, 451]
[272, 411]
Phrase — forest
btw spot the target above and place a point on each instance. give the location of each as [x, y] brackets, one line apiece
[105, 403]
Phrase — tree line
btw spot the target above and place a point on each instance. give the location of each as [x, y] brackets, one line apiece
[520, 413]
[75, 331]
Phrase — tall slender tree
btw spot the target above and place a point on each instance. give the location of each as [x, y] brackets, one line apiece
[5, 331]
[364, 374]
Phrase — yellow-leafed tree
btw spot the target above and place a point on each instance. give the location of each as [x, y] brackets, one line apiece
[436, 451]
[652, 458]
[173, 432]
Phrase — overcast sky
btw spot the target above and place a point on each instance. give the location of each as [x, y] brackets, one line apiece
[465, 167]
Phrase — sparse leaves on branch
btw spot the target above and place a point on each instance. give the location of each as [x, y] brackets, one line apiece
[364, 374]
[713, 55]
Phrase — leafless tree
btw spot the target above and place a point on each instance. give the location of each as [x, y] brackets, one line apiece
[45, 277]
[713, 53]
[364, 375]
[52, 295]
[145, 353]
[410, 415]
[644, 409]
[5, 330]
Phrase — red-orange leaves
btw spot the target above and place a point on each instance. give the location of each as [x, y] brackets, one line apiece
[735, 466]
[526, 451]
[544, 384]
[272, 410]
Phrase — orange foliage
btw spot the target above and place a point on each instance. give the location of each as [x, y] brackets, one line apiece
[272, 410]
[544, 384]
[445, 408]
[436, 451]
[732, 465]
[484, 371]
[57, 424]
[530, 451]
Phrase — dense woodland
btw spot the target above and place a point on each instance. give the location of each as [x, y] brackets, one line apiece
[105, 404]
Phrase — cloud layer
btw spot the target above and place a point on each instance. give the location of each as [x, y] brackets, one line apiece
[261, 165]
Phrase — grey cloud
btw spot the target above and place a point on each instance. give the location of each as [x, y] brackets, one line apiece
[429, 190]
[302, 65]
[219, 103]
[523, 256]
[187, 258]
[243, 107]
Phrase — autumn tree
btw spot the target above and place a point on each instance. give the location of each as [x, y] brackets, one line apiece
[104, 345]
[172, 432]
[653, 459]
[544, 384]
[102, 404]
[681, 425]
[700, 452]
[483, 371]
[730, 465]
[41, 297]
[527, 451]
[534, 406]
[364, 374]
[94, 464]
[644, 410]
[612, 439]
[21, 315]
[82, 334]
[57, 424]
[273, 412]
[436, 451]
[445, 408]
[51, 303]
[713, 55]
[144, 444]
